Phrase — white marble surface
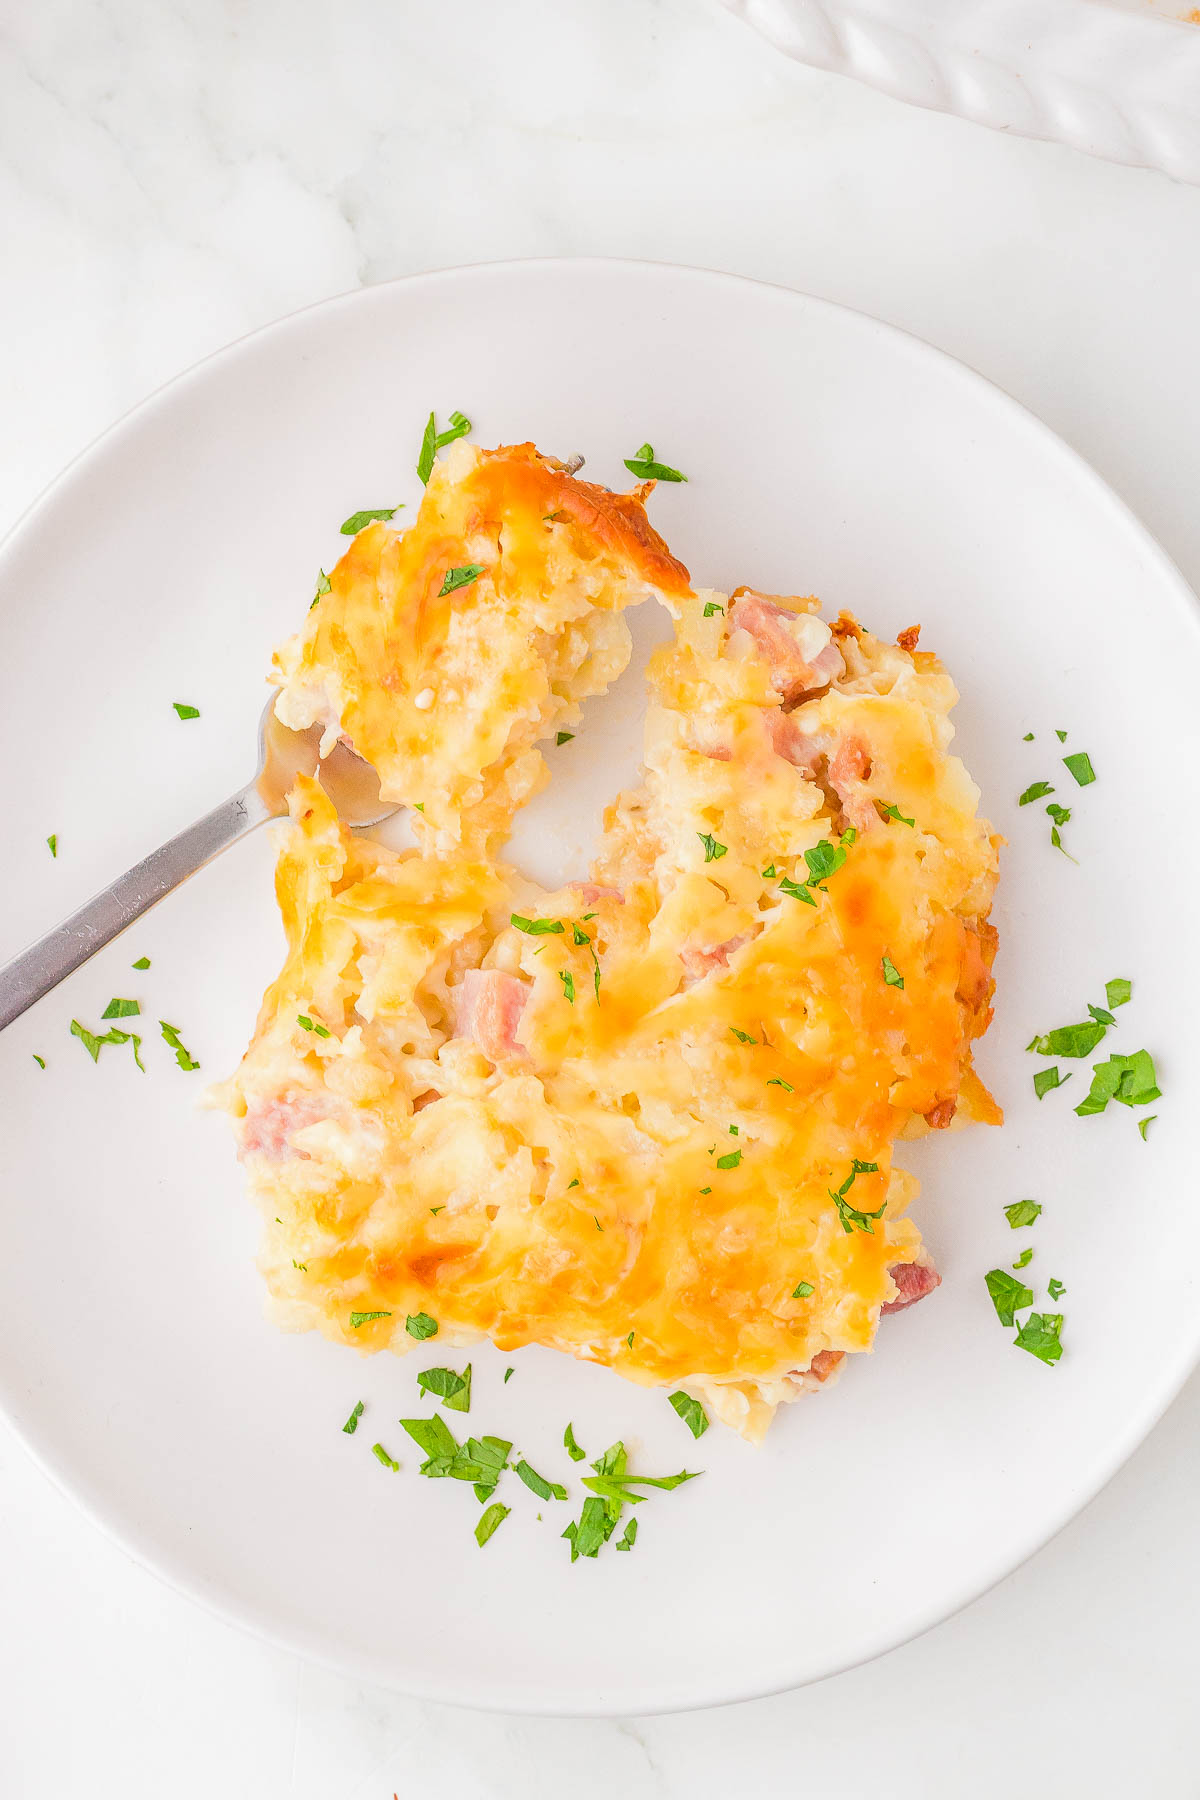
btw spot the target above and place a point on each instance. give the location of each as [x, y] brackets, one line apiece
[176, 172]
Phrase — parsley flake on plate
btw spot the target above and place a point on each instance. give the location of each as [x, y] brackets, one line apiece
[537, 1484]
[643, 464]
[448, 1386]
[1041, 1335]
[143, 962]
[1070, 1040]
[1008, 1295]
[184, 711]
[1143, 1124]
[434, 440]
[121, 1009]
[41, 1063]
[564, 737]
[1045, 1079]
[420, 1326]
[1131, 1080]
[351, 1425]
[381, 1455]
[1022, 1212]
[1118, 991]
[1055, 1288]
[52, 843]
[1060, 735]
[490, 1523]
[508, 1373]
[172, 1039]
[572, 1448]
[1037, 791]
[460, 577]
[1080, 765]
[713, 852]
[690, 1411]
[1025, 1258]
[322, 587]
[629, 1537]
[357, 521]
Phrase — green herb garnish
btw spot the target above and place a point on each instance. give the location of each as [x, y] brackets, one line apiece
[322, 587]
[121, 1009]
[1118, 991]
[572, 1448]
[186, 712]
[564, 737]
[1037, 791]
[1069, 1040]
[459, 578]
[52, 843]
[420, 1326]
[537, 1484]
[182, 1055]
[568, 982]
[893, 812]
[743, 1037]
[448, 1386]
[796, 890]
[643, 464]
[1008, 1294]
[354, 524]
[351, 1425]
[381, 1455]
[1080, 765]
[1143, 1124]
[1022, 1212]
[629, 1537]
[491, 1521]
[778, 1081]
[435, 440]
[802, 1290]
[690, 1411]
[731, 1161]
[507, 1373]
[1130, 1079]
[713, 852]
[1055, 1288]
[537, 927]
[143, 962]
[1045, 1079]
[359, 1319]
[1041, 1335]
[711, 607]
[1025, 1257]
[41, 1063]
[891, 974]
[824, 860]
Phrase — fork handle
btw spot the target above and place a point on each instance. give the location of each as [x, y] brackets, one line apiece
[36, 970]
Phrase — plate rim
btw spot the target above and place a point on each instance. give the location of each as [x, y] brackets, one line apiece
[665, 1698]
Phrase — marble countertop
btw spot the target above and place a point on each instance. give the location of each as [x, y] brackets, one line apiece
[176, 172]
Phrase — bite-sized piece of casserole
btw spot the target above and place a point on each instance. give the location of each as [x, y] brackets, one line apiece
[646, 1120]
[446, 652]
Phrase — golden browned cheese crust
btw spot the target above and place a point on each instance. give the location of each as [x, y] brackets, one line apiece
[636, 1133]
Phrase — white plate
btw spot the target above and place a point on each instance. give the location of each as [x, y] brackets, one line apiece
[826, 452]
[1117, 80]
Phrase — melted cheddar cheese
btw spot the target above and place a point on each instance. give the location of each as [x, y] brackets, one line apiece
[628, 1119]
[444, 653]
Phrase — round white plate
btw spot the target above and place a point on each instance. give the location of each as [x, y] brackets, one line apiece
[827, 453]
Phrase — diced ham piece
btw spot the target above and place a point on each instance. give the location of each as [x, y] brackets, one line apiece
[798, 647]
[849, 767]
[824, 1363]
[915, 1280]
[269, 1124]
[842, 764]
[699, 962]
[591, 892]
[939, 1116]
[488, 1008]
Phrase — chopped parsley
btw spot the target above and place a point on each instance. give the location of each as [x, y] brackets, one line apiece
[1025, 1257]
[706, 1190]
[306, 1024]
[580, 936]
[1008, 1294]
[322, 587]
[629, 1341]
[507, 1373]
[1022, 1212]
[435, 1210]
[891, 974]
[1070, 1040]
[711, 607]
[770, 872]
[480, 1461]
[121, 1009]
[351, 1425]
[182, 1055]
[303, 1267]
[893, 812]
[623, 1487]
[643, 464]
[796, 890]
[1045, 1079]
[824, 860]
[629, 1537]
[94, 1044]
[420, 1326]
[1101, 1016]
[1041, 1335]
[41, 1063]
[184, 711]
[381, 1455]
[778, 1081]
[354, 524]
[490, 1523]
[448, 1386]
[537, 927]
[564, 737]
[1129, 1079]
[731, 1161]
[1118, 991]
[1037, 791]
[143, 962]
[743, 1037]
[1055, 1288]
[803, 1290]
[851, 1217]
[359, 1319]
[713, 852]
[1060, 735]
[1143, 1124]
[1080, 765]
[537, 1484]
[434, 440]
[52, 843]
[460, 577]
[572, 1448]
[690, 1411]
[1028, 738]
[568, 982]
